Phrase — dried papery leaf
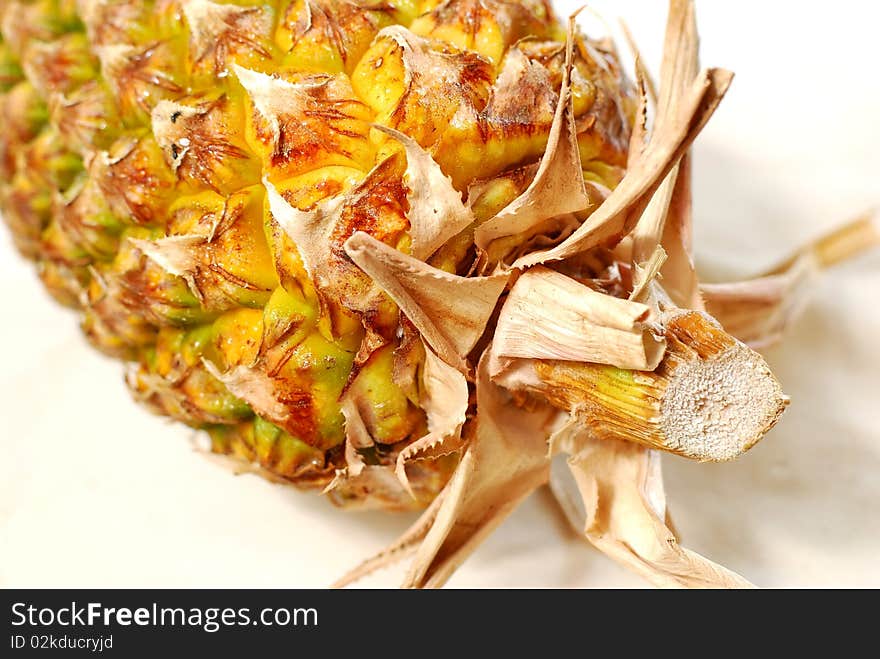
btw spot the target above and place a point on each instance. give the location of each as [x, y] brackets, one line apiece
[616, 216]
[377, 488]
[678, 272]
[548, 315]
[680, 67]
[310, 230]
[638, 141]
[256, 387]
[645, 273]
[558, 187]
[758, 311]
[444, 399]
[648, 233]
[404, 546]
[451, 312]
[356, 437]
[641, 70]
[680, 64]
[617, 494]
[710, 399]
[436, 211]
[505, 460]
[176, 255]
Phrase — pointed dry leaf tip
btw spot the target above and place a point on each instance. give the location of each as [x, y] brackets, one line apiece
[642, 73]
[648, 234]
[638, 141]
[254, 387]
[558, 187]
[356, 437]
[710, 399]
[404, 546]
[310, 230]
[214, 28]
[615, 216]
[616, 498]
[758, 311]
[273, 97]
[174, 254]
[445, 402]
[548, 315]
[436, 211]
[681, 62]
[505, 461]
[451, 312]
[679, 69]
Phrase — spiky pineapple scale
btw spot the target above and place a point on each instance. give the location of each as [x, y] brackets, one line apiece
[137, 139]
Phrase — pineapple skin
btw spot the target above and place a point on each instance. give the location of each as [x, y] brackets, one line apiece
[138, 137]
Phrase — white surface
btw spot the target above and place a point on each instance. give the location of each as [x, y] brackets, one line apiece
[95, 491]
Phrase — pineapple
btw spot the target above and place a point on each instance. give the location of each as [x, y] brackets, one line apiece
[144, 135]
[294, 221]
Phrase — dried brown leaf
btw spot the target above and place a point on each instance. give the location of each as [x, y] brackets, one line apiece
[758, 311]
[548, 315]
[504, 462]
[618, 502]
[451, 312]
[558, 187]
[436, 211]
[445, 401]
[615, 218]
[356, 437]
[404, 546]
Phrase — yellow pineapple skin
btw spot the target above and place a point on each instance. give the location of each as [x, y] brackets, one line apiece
[139, 136]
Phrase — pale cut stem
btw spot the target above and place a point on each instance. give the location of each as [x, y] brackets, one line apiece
[711, 399]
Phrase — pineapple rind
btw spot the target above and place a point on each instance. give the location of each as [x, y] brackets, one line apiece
[137, 136]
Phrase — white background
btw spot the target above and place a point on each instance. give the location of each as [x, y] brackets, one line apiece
[95, 491]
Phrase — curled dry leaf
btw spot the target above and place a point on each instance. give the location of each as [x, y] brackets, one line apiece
[614, 218]
[436, 211]
[445, 401]
[759, 310]
[558, 187]
[505, 460]
[548, 315]
[309, 230]
[680, 67]
[616, 498]
[356, 437]
[451, 312]
[254, 385]
[678, 272]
